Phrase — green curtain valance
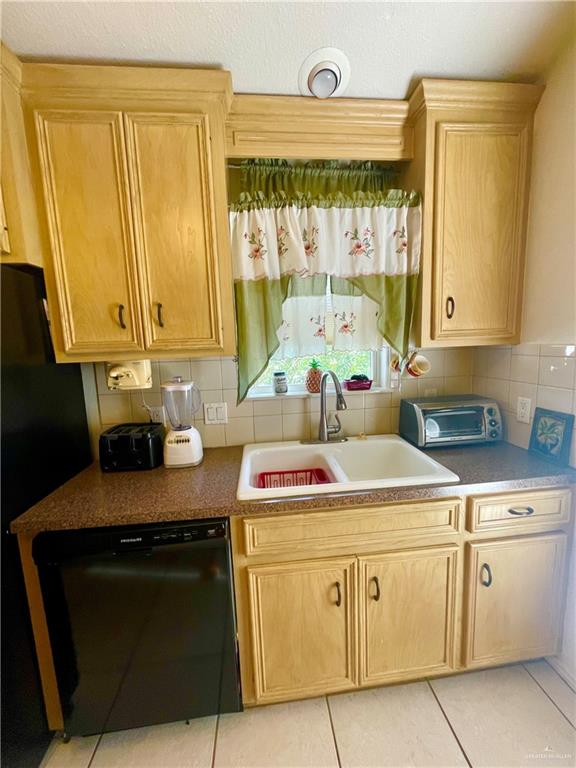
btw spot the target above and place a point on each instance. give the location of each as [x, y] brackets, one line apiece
[316, 177]
[391, 198]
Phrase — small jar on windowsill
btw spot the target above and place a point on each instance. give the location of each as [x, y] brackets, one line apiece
[280, 383]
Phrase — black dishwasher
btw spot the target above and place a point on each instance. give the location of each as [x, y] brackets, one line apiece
[141, 622]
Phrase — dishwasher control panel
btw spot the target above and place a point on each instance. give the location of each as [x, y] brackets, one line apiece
[173, 535]
[54, 545]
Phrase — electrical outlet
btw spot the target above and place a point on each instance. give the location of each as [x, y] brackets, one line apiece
[157, 413]
[523, 407]
[215, 413]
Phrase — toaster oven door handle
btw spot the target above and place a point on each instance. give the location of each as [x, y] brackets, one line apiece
[449, 412]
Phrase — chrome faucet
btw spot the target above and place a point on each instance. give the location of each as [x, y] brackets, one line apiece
[325, 429]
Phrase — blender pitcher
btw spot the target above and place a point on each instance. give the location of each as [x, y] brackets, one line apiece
[182, 444]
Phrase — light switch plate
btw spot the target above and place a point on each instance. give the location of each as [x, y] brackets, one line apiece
[215, 413]
[523, 407]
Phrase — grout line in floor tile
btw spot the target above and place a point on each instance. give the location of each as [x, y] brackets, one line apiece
[333, 732]
[545, 692]
[215, 740]
[93, 755]
[560, 676]
[449, 724]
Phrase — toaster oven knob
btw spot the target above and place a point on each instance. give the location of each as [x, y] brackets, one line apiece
[490, 411]
[494, 433]
[493, 423]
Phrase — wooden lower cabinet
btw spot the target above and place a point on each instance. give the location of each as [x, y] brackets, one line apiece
[515, 596]
[390, 605]
[407, 613]
[303, 626]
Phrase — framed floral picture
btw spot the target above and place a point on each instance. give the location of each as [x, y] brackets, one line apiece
[551, 435]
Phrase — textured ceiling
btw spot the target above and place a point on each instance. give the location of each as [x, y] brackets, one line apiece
[388, 44]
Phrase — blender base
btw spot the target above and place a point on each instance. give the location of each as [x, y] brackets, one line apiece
[183, 448]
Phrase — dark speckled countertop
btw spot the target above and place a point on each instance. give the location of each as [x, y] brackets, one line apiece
[93, 499]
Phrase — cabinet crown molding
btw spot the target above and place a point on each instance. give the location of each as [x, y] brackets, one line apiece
[300, 126]
[473, 94]
[393, 111]
[94, 80]
[11, 67]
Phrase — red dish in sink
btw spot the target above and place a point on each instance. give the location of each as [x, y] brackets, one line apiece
[292, 477]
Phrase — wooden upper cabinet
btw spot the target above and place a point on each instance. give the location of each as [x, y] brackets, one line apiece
[170, 166]
[302, 620]
[22, 241]
[472, 165]
[83, 169]
[407, 613]
[478, 218]
[132, 167]
[515, 597]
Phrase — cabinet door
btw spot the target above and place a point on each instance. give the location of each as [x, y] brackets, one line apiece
[407, 613]
[514, 599]
[302, 621]
[173, 198]
[84, 175]
[479, 218]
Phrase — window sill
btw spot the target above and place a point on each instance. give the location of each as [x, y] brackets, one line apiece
[303, 393]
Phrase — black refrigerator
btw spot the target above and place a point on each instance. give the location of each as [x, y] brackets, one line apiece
[44, 442]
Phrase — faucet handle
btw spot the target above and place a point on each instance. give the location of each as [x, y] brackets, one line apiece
[333, 430]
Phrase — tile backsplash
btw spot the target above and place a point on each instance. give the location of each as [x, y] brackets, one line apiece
[544, 373]
[280, 418]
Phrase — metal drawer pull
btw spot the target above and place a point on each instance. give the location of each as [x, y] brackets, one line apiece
[521, 511]
[377, 595]
[450, 307]
[121, 316]
[160, 319]
[486, 569]
[339, 595]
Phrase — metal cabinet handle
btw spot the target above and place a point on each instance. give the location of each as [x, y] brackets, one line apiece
[486, 582]
[121, 316]
[521, 511]
[377, 595]
[338, 595]
[450, 307]
[160, 318]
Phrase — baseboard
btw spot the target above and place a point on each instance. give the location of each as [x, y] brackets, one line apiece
[565, 672]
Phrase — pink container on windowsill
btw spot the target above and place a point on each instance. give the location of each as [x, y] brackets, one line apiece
[356, 386]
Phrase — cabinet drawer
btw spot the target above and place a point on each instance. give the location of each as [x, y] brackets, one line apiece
[519, 511]
[358, 527]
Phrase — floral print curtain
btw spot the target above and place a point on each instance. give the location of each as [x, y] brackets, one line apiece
[298, 254]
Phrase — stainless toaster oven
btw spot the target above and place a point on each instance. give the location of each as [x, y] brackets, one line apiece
[453, 419]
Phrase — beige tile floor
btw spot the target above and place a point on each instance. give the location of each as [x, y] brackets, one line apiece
[521, 715]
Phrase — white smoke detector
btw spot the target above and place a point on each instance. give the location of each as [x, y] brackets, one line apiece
[324, 74]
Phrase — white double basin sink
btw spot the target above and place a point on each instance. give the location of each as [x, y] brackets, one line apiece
[379, 461]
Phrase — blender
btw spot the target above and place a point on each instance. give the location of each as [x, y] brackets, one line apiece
[182, 444]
